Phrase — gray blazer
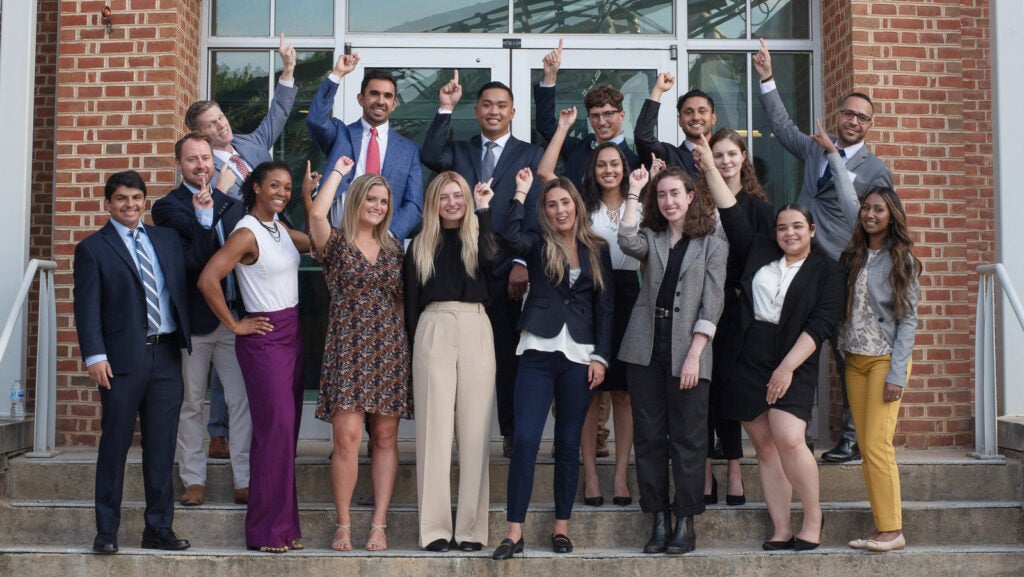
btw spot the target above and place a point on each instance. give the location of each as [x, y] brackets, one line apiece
[698, 301]
[899, 332]
[834, 228]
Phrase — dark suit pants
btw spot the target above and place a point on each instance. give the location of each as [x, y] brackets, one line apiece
[544, 377]
[668, 424]
[154, 392]
[504, 316]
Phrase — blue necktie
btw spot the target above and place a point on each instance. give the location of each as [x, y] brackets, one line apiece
[827, 175]
[487, 167]
[148, 283]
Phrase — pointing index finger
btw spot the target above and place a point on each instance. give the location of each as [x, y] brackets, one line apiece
[560, 44]
[455, 77]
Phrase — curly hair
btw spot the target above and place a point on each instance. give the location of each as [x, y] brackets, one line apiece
[258, 175]
[700, 216]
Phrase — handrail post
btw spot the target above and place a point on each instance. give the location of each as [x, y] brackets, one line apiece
[45, 433]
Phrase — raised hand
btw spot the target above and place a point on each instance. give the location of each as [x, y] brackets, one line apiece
[482, 194]
[763, 61]
[703, 155]
[822, 138]
[346, 63]
[226, 178]
[552, 62]
[451, 93]
[202, 199]
[288, 59]
[638, 179]
[309, 181]
[344, 165]
[524, 180]
[657, 165]
[662, 84]
[567, 118]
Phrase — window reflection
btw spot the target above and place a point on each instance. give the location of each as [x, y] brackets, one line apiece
[241, 18]
[724, 78]
[782, 172]
[304, 18]
[768, 18]
[420, 16]
[593, 17]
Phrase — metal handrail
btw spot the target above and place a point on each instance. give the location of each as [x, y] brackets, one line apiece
[985, 443]
[46, 353]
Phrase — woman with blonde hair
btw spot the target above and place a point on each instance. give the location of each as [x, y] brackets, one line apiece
[447, 284]
[365, 370]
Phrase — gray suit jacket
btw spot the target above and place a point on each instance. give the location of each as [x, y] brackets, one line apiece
[254, 147]
[698, 301]
[834, 227]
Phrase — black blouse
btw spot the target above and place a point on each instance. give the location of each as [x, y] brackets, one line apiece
[667, 291]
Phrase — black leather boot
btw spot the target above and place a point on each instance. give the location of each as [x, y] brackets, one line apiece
[683, 538]
[659, 533]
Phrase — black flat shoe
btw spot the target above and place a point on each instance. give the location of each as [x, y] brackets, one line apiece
[507, 548]
[438, 546]
[735, 500]
[779, 545]
[593, 501]
[659, 533]
[104, 544]
[801, 545]
[560, 543]
[622, 501]
[683, 538]
[712, 499]
[470, 546]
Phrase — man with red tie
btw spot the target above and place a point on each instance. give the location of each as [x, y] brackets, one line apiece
[370, 142]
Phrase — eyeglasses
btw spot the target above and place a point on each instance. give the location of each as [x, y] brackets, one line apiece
[850, 115]
[607, 115]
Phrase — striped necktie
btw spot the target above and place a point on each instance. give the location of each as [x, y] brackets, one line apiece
[240, 165]
[373, 154]
[148, 282]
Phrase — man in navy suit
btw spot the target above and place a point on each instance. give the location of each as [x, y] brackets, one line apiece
[132, 322]
[493, 155]
[371, 142]
[204, 217]
[238, 154]
[604, 111]
[695, 111]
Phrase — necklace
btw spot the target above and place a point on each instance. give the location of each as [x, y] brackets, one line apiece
[275, 232]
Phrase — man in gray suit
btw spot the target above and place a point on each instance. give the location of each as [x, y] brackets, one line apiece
[820, 194]
[235, 155]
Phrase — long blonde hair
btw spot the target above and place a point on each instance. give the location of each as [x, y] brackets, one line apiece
[354, 199]
[428, 241]
[555, 256]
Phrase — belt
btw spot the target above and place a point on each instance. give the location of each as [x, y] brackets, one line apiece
[154, 339]
[660, 313]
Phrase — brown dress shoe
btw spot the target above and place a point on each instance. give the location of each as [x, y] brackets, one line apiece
[194, 495]
[219, 448]
[242, 496]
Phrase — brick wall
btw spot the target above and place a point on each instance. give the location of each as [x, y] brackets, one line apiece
[121, 104]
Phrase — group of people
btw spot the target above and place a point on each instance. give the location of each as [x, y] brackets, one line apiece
[521, 286]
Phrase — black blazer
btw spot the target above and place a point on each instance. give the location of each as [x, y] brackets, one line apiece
[814, 302]
[440, 153]
[549, 306]
[110, 301]
[645, 135]
[175, 211]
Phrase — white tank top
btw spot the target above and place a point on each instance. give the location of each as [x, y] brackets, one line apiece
[272, 282]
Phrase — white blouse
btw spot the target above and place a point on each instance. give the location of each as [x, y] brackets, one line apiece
[771, 283]
[608, 229]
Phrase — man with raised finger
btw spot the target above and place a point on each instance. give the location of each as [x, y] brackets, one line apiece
[695, 112]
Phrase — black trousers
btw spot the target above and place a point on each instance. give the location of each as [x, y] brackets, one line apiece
[669, 424]
[504, 316]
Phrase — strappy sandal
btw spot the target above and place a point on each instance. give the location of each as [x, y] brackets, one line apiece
[297, 545]
[377, 544]
[342, 540]
[268, 549]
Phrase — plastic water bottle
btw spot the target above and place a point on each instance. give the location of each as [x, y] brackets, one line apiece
[17, 401]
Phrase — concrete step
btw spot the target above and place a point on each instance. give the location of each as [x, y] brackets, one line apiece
[925, 523]
[917, 561]
[70, 477]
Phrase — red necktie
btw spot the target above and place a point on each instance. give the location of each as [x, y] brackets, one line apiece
[240, 165]
[373, 154]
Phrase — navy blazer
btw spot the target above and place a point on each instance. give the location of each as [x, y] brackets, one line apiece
[254, 147]
[401, 159]
[585, 309]
[110, 301]
[175, 211]
[465, 157]
[645, 135]
[814, 302]
[575, 151]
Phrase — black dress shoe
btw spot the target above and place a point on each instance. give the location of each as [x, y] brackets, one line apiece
[659, 533]
[163, 539]
[438, 545]
[560, 543]
[593, 501]
[470, 546]
[683, 538]
[507, 548]
[778, 545]
[801, 545]
[622, 501]
[104, 544]
[845, 450]
[735, 500]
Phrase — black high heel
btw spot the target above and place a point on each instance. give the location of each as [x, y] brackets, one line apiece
[507, 548]
[801, 545]
[735, 500]
[712, 499]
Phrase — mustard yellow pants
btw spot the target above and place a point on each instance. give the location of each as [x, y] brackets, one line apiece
[875, 421]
